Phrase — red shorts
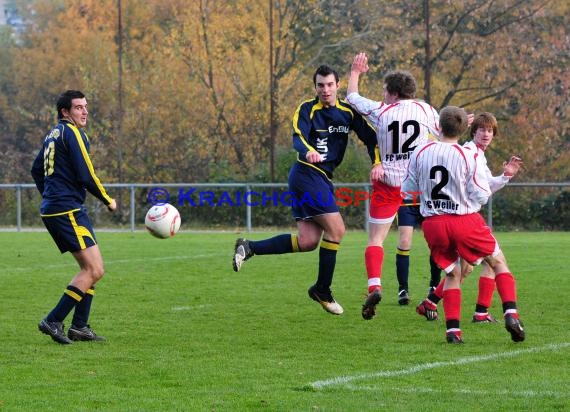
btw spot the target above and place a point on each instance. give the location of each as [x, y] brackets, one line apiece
[452, 236]
[384, 202]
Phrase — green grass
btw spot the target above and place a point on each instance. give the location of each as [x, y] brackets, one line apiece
[186, 333]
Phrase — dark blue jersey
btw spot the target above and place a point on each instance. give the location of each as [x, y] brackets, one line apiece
[326, 130]
[63, 171]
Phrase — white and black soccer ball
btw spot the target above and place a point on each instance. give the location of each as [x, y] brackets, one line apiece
[162, 221]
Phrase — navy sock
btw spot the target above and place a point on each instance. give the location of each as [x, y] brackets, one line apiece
[327, 263]
[83, 308]
[71, 296]
[435, 273]
[402, 268]
[276, 245]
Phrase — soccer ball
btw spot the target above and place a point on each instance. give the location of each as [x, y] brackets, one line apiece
[162, 221]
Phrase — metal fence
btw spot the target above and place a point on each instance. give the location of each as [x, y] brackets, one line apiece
[255, 206]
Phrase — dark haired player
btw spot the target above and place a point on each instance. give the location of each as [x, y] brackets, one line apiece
[321, 126]
[63, 174]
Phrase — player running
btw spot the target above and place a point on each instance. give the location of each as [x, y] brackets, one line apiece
[321, 126]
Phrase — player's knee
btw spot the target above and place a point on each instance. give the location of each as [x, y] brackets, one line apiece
[335, 234]
[467, 269]
[405, 244]
[306, 244]
[497, 263]
[308, 247]
[338, 234]
[96, 272]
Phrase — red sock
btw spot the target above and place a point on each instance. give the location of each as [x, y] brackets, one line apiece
[506, 287]
[452, 304]
[486, 289]
[373, 258]
[439, 289]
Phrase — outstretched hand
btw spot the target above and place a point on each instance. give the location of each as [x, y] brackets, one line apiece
[360, 63]
[513, 166]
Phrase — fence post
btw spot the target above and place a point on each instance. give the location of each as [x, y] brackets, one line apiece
[248, 211]
[18, 208]
[132, 206]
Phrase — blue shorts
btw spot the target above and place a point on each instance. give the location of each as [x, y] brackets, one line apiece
[71, 231]
[312, 191]
[409, 215]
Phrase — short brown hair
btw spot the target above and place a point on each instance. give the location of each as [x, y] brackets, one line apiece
[401, 83]
[453, 121]
[484, 120]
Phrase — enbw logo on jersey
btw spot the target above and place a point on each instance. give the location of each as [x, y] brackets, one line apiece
[339, 129]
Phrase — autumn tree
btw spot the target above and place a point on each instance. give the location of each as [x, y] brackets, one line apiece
[206, 96]
[486, 55]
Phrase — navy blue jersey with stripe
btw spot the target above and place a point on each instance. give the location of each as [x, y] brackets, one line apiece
[326, 130]
[63, 171]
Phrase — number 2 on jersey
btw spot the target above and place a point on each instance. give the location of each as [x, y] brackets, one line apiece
[436, 191]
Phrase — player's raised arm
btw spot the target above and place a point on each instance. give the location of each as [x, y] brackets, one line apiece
[359, 66]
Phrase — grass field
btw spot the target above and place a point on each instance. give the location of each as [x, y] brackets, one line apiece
[186, 333]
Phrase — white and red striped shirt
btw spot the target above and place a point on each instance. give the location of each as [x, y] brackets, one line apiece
[445, 177]
[483, 171]
[400, 128]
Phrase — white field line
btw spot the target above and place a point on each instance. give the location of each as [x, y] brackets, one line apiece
[521, 394]
[344, 380]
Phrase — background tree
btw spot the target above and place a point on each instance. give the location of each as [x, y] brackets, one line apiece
[507, 57]
[306, 34]
[198, 82]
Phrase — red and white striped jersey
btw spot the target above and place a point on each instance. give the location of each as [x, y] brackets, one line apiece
[445, 177]
[400, 128]
[483, 171]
